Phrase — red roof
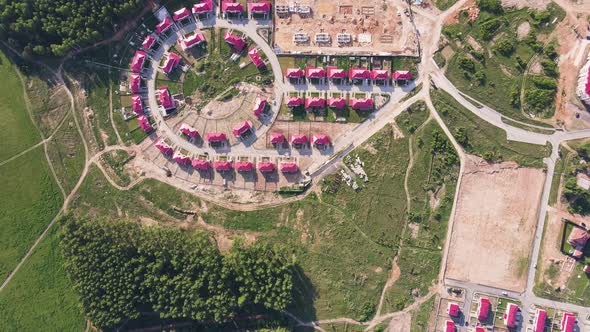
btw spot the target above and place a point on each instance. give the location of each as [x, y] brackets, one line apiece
[203, 7]
[237, 42]
[188, 130]
[337, 73]
[320, 139]
[337, 102]
[222, 165]
[315, 102]
[402, 75]
[359, 74]
[266, 166]
[171, 61]
[587, 269]
[298, 139]
[288, 167]
[294, 73]
[231, 7]
[568, 322]
[181, 158]
[259, 7]
[540, 318]
[449, 326]
[201, 164]
[379, 74]
[578, 237]
[479, 329]
[181, 14]
[193, 40]
[144, 123]
[134, 82]
[259, 106]
[164, 96]
[148, 42]
[163, 147]
[215, 137]
[483, 309]
[244, 166]
[294, 101]
[138, 60]
[136, 104]
[276, 138]
[510, 315]
[164, 25]
[241, 128]
[361, 103]
[255, 57]
[315, 72]
[453, 309]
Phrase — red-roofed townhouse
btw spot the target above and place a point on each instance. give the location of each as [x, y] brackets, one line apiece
[453, 309]
[172, 60]
[510, 315]
[138, 61]
[259, 9]
[193, 40]
[288, 167]
[256, 58]
[337, 102]
[235, 41]
[231, 8]
[164, 25]
[361, 104]
[148, 42]
[136, 104]
[320, 140]
[568, 322]
[540, 318]
[315, 74]
[380, 76]
[244, 166]
[402, 75]
[298, 139]
[315, 102]
[259, 106]
[181, 158]
[242, 128]
[358, 75]
[336, 75]
[201, 164]
[203, 8]
[182, 15]
[188, 130]
[449, 326]
[163, 147]
[277, 138]
[215, 137]
[483, 309]
[295, 75]
[144, 123]
[222, 165]
[294, 101]
[266, 166]
[165, 99]
[480, 329]
[135, 82]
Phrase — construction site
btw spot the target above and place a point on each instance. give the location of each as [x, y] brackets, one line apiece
[345, 27]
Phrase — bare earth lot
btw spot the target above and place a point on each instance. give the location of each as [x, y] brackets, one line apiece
[494, 224]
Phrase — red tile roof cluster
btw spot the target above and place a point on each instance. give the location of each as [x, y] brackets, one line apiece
[244, 166]
[237, 42]
[222, 165]
[483, 309]
[134, 82]
[144, 123]
[259, 105]
[215, 137]
[315, 72]
[294, 73]
[201, 164]
[540, 318]
[298, 139]
[181, 14]
[255, 57]
[266, 166]
[192, 40]
[203, 7]
[294, 101]
[231, 7]
[361, 103]
[241, 128]
[336, 73]
[277, 138]
[148, 42]
[402, 75]
[453, 309]
[510, 315]
[288, 167]
[136, 104]
[568, 322]
[164, 25]
[181, 158]
[188, 130]
[138, 60]
[337, 102]
[379, 74]
[163, 147]
[259, 7]
[172, 60]
[315, 102]
[165, 99]
[359, 74]
[449, 326]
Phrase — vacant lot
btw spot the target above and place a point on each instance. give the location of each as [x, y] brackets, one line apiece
[66, 153]
[495, 218]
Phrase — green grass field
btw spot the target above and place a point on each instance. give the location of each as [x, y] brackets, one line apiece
[40, 297]
[66, 153]
[421, 315]
[30, 199]
[17, 132]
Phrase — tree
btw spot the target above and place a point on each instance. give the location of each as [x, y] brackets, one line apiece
[505, 46]
[491, 6]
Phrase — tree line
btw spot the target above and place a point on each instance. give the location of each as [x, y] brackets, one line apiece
[52, 27]
[121, 269]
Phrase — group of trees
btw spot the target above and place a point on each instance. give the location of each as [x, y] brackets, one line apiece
[52, 27]
[121, 269]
